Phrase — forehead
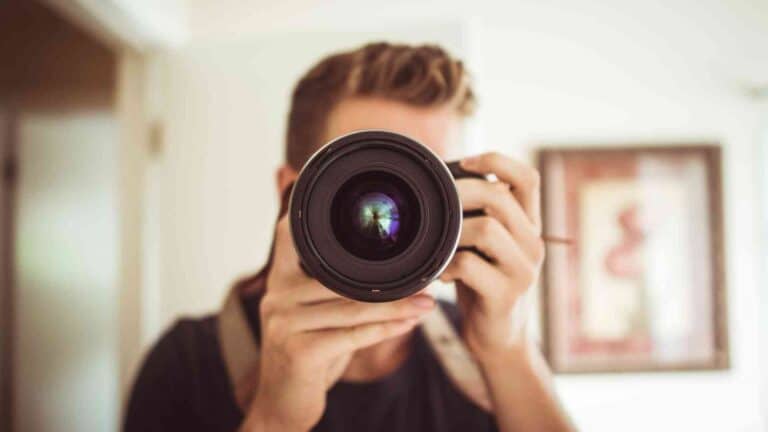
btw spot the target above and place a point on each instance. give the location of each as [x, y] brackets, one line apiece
[439, 128]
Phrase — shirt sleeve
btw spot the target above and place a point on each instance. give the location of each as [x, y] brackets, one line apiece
[159, 398]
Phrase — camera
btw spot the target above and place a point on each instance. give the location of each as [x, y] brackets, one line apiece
[375, 215]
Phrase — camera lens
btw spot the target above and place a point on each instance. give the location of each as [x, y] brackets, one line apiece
[375, 215]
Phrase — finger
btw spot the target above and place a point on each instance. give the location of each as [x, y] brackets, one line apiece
[493, 287]
[349, 313]
[496, 200]
[303, 290]
[346, 340]
[490, 237]
[523, 178]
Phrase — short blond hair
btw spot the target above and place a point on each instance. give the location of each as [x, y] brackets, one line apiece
[423, 75]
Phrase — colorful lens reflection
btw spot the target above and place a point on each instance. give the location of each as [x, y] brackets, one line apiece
[377, 217]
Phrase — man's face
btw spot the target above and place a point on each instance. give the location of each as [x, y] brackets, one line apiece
[437, 128]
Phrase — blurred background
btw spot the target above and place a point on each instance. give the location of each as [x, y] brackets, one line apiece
[140, 140]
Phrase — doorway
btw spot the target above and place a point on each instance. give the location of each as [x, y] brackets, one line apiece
[6, 249]
[58, 224]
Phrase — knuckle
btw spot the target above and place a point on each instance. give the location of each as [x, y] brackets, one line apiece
[494, 156]
[462, 261]
[500, 188]
[489, 227]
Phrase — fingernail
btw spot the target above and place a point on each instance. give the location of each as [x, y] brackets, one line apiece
[422, 301]
[467, 162]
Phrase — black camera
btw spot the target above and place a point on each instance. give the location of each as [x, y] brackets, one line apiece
[375, 215]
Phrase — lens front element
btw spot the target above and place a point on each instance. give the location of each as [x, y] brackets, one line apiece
[375, 215]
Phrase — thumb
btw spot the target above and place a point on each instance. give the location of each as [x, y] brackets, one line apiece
[282, 253]
[283, 257]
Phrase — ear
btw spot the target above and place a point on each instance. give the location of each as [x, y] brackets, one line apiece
[284, 176]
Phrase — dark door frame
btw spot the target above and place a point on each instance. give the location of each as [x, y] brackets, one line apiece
[7, 299]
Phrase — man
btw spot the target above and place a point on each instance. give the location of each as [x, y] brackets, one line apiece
[327, 363]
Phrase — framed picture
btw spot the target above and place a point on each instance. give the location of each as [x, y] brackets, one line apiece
[641, 287]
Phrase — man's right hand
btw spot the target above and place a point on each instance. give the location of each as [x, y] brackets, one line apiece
[308, 335]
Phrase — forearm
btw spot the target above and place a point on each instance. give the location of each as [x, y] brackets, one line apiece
[522, 390]
[257, 421]
[253, 424]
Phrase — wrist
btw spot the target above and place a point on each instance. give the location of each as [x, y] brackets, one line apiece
[261, 418]
[517, 355]
[504, 334]
[256, 422]
[253, 423]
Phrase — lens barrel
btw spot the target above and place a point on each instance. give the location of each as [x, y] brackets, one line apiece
[375, 216]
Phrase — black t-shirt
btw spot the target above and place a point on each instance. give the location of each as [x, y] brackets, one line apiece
[183, 385]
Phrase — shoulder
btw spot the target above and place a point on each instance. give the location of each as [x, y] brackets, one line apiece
[181, 370]
[180, 347]
[182, 344]
[191, 339]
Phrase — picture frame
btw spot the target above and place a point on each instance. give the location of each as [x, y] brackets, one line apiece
[642, 285]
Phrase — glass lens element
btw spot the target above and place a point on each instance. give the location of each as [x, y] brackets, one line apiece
[375, 215]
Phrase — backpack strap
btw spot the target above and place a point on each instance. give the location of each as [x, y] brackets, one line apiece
[240, 353]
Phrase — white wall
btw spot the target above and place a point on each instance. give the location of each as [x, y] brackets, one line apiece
[66, 352]
[644, 74]
[547, 73]
[763, 341]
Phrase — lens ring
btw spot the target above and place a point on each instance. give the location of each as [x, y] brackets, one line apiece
[321, 255]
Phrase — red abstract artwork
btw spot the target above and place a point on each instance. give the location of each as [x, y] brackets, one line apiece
[641, 287]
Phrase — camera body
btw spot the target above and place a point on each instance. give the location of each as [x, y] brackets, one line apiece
[375, 216]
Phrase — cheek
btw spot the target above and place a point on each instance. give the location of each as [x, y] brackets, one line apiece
[438, 150]
[448, 142]
[447, 150]
[443, 145]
